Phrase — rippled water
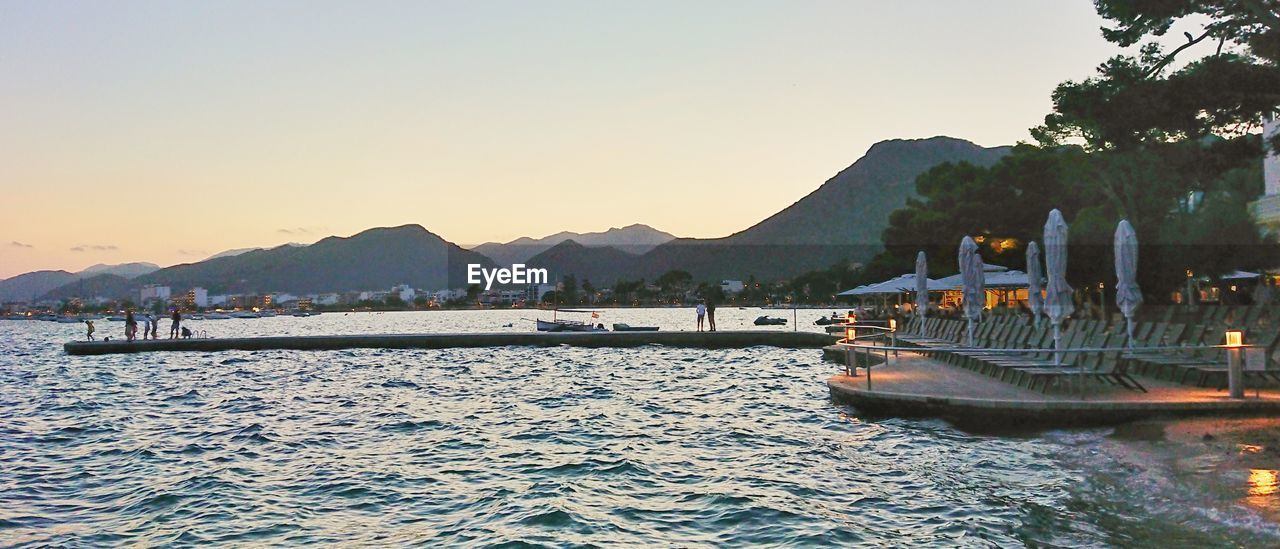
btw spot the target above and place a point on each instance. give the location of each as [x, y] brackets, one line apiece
[561, 446]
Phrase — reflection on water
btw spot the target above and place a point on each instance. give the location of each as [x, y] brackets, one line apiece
[1263, 483]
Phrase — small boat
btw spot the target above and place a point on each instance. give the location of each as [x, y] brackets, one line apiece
[266, 314]
[217, 316]
[244, 314]
[770, 321]
[116, 318]
[563, 326]
[557, 324]
[620, 327]
[195, 317]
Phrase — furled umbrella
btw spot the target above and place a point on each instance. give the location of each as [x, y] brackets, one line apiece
[973, 292]
[1128, 294]
[1057, 300]
[922, 288]
[1035, 272]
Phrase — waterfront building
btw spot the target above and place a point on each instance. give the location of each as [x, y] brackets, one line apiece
[1266, 210]
[152, 292]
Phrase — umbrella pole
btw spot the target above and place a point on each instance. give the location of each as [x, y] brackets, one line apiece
[970, 319]
[1128, 328]
[1057, 345]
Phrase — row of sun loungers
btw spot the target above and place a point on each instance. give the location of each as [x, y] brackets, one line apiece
[1016, 351]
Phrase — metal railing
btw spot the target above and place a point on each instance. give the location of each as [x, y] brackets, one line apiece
[1236, 356]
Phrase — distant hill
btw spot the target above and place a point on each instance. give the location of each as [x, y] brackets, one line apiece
[126, 270]
[238, 251]
[633, 239]
[105, 285]
[373, 259]
[27, 286]
[602, 265]
[840, 220]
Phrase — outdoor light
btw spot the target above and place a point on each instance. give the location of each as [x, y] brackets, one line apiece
[1235, 338]
[849, 334]
[893, 324]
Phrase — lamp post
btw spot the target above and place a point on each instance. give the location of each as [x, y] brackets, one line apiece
[893, 336]
[1235, 363]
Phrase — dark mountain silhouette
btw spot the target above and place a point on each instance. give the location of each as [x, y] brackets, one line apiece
[104, 285]
[840, 221]
[27, 286]
[374, 259]
[598, 264]
[633, 239]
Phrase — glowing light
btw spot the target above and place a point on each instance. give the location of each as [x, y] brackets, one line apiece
[1264, 482]
[1235, 338]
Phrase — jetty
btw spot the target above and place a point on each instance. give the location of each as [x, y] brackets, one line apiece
[913, 385]
[696, 340]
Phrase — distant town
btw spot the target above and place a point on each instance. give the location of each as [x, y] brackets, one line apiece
[673, 289]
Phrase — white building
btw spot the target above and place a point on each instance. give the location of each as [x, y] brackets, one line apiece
[199, 297]
[405, 292]
[731, 287]
[151, 293]
[1266, 211]
[325, 299]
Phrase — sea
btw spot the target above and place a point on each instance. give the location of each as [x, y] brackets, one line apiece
[551, 447]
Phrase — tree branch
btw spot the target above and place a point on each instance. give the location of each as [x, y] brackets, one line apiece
[1169, 58]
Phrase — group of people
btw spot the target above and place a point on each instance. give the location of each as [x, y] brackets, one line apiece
[706, 310]
[150, 327]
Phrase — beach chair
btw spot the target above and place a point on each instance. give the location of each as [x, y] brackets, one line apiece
[1047, 376]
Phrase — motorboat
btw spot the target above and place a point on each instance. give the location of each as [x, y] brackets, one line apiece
[244, 314]
[216, 316]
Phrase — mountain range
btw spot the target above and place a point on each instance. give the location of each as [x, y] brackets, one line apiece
[841, 220]
[28, 286]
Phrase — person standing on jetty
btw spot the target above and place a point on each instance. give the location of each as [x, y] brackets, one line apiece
[155, 327]
[702, 312]
[130, 326]
[148, 322]
[711, 314]
[88, 326]
[173, 328]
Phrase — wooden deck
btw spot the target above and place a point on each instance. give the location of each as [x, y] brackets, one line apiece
[913, 385]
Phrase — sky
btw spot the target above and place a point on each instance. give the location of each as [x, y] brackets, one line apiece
[170, 131]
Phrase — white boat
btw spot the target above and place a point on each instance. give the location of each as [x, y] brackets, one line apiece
[560, 325]
[244, 314]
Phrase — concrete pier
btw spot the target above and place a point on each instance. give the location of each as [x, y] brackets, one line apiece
[700, 340]
[915, 386]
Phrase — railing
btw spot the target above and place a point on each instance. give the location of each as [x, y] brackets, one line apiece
[1236, 356]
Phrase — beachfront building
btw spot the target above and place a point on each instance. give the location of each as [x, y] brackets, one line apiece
[731, 287]
[325, 300]
[405, 292]
[151, 293]
[198, 297]
[1266, 211]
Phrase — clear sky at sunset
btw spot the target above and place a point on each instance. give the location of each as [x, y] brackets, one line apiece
[168, 131]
